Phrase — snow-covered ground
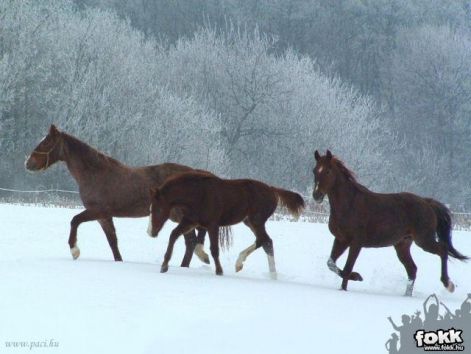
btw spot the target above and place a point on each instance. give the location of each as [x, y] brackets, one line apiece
[94, 305]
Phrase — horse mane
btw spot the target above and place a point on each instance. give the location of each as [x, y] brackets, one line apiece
[349, 174]
[345, 170]
[88, 153]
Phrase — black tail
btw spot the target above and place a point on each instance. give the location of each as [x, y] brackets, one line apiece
[290, 200]
[444, 227]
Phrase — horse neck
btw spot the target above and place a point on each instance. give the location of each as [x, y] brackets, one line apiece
[182, 194]
[78, 162]
[341, 195]
[177, 196]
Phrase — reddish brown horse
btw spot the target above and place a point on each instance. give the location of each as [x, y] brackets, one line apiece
[107, 188]
[211, 202]
[361, 218]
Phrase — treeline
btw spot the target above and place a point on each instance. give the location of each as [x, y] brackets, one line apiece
[245, 88]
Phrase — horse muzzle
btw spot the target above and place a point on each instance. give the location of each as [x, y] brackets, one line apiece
[151, 230]
[31, 165]
[318, 195]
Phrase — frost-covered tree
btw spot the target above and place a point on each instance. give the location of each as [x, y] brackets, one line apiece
[275, 110]
[432, 88]
[93, 75]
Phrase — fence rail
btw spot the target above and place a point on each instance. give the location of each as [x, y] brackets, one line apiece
[70, 199]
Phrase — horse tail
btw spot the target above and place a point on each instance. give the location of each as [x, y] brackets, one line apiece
[443, 215]
[225, 237]
[290, 200]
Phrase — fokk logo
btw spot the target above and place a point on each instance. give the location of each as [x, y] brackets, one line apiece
[435, 328]
[449, 340]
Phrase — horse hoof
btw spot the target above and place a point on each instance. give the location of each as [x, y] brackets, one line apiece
[238, 267]
[274, 275]
[219, 272]
[355, 276]
[451, 286]
[75, 252]
[163, 269]
[202, 255]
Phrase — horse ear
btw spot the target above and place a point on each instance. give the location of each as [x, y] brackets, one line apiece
[53, 130]
[329, 154]
[317, 156]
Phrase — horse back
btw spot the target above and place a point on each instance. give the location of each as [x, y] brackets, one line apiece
[383, 219]
[207, 199]
[247, 198]
[398, 215]
[125, 192]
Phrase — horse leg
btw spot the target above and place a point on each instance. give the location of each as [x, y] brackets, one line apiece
[338, 249]
[403, 253]
[110, 232]
[346, 273]
[268, 248]
[190, 243]
[182, 227]
[84, 216]
[243, 256]
[214, 246]
[199, 249]
[429, 244]
[246, 252]
[266, 242]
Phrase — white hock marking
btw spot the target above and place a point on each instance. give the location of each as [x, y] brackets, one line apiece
[409, 287]
[75, 252]
[149, 226]
[199, 251]
[239, 263]
[271, 264]
[243, 256]
[332, 266]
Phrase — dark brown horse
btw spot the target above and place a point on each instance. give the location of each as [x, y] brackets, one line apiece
[211, 202]
[361, 218]
[107, 188]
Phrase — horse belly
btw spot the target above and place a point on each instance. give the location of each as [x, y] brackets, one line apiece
[233, 206]
[230, 218]
[383, 237]
[118, 205]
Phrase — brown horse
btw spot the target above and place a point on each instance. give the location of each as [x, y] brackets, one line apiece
[361, 218]
[108, 188]
[211, 202]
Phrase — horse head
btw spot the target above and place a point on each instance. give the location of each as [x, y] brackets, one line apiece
[159, 212]
[324, 176]
[47, 152]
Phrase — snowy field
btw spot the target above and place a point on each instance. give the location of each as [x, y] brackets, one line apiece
[94, 305]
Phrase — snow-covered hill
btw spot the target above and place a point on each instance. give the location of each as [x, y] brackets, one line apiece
[94, 305]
